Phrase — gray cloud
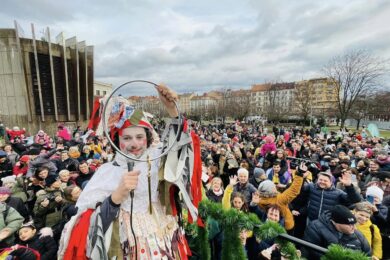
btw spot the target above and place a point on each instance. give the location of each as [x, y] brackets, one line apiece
[202, 45]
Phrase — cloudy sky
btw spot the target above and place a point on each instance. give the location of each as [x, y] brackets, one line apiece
[203, 45]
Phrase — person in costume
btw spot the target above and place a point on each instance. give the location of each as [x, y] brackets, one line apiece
[109, 218]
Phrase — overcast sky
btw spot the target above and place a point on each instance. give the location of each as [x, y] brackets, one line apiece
[203, 45]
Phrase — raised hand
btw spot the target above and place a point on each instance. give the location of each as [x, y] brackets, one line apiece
[255, 198]
[346, 178]
[168, 97]
[233, 180]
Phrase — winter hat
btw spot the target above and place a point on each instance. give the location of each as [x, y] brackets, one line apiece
[29, 224]
[382, 175]
[267, 189]
[235, 139]
[269, 139]
[50, 180]
[5, 190]
[375, 191]
[345, 161]
[24, 159]
[33, 151]
[258, 172]
[342, 215]
[3, 154]
[9, 179]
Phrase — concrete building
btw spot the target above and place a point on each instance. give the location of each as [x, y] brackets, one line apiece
[100, 89]
[42, 83]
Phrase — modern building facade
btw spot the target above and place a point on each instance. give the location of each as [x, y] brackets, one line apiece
[43, 83]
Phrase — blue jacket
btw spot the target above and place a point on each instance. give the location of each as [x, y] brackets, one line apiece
[321, 200]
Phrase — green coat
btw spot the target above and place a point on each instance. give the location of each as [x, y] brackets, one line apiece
[12, 221]
[52, 214]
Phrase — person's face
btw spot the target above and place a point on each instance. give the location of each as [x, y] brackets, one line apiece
[26, 233]
[373, 167]
[217, 183]
[360, 164]
[362, 216]
[324, 182]
[273, 215]
[279, 154]
[347, 229]
[4, 197]
[341, 155]
[56, 185]
[9, 185]
[133, 140]
[43, 174]
[84, 169]
[75, 193]
[380, 156]
[332, 163]
[242, 178]
[7, 148]
[64, 156]
[276, 168]
[237, 203]
[41, 141]
[64, 177]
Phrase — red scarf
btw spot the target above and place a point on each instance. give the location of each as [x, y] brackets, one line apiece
[76, 249]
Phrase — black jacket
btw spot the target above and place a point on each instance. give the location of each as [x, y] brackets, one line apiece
[213, 197]
[323, 233]
[83, 178]
[46, 246]
[19, 206]
[5, 169]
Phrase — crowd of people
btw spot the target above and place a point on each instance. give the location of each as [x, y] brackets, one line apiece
[324, 187]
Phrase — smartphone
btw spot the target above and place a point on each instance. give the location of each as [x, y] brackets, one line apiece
[370, 199]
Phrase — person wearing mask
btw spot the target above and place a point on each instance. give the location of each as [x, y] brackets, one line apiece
[335, 226]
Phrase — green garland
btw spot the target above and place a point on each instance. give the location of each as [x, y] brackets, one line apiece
[233, 221]
[337, 252]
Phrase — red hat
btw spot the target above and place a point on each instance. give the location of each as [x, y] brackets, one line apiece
[24, 158]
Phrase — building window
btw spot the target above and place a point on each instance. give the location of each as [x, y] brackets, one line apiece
[104, 92]
[97, 92]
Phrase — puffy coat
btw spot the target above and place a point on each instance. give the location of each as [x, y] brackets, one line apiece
[322, 232]
[45, 245]
[283, 200]
[324, 199]
[10, 219]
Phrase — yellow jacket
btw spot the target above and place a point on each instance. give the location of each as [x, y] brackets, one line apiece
[226, 204]
[283, 199]
[375, 240]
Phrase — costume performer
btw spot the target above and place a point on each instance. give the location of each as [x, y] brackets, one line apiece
[102, 228]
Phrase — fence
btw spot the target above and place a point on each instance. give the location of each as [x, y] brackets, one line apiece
[384, 125]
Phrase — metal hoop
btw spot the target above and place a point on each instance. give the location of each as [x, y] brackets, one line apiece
[109, 136]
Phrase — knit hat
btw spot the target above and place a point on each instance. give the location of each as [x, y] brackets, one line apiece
[50, 180]
[3, 154]
[375, 191]
[342, 215]
[267, 189]
[33, 151]
[345, 161]
[9, 179]
[382, 175]
[29, 224]
[24, 159]
[257, 172]
[5, 190]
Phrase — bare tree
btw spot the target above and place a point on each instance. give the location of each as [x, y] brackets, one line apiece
[303, 95]
[354, 74]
